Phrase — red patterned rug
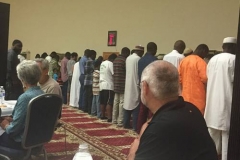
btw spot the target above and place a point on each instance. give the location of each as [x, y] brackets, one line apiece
[106, 141]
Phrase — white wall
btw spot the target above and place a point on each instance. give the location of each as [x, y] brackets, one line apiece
[75, 25]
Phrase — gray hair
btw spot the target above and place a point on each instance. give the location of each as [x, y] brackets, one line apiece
[29, 72]
[44, 63]
[162, 78]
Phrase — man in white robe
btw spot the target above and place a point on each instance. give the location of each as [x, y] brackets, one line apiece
[176, 56]
[132, 90]
[75, 86]
[220, 72]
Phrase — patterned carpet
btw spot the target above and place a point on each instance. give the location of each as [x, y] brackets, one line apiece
[106, 141]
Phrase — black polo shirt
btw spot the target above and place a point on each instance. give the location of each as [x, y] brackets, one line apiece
[177, 131]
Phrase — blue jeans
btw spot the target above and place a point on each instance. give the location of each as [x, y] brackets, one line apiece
[127, 117]
[81, 98]
[96, 111]
[64, 92]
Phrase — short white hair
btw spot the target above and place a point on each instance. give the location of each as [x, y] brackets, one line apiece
[44, 63]
[29, 72]
[162, 78]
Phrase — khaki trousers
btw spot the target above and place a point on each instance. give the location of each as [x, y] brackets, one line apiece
[117, 117]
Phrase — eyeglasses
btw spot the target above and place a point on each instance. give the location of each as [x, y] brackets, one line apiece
[140, 85]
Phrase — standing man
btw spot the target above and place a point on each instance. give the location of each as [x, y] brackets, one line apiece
[132, 89]
[14, 87]
[75, 86]
[148, 58]
[220, 72]
[119, 69]
[82, 64]
[88, 82]
[106, 87]
[70, 66]
[175, 57]
[177, 130]
[193, 77]
[64, 76]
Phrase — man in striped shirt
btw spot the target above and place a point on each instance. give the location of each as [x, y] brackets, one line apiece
[119, 68]
[96, 111]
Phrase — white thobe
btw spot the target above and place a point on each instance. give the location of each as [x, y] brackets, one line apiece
[220, 72]
[132, 90]
[75, 86]
[174, 57]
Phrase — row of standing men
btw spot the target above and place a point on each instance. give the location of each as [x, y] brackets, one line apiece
[209, 86]
[116, 82]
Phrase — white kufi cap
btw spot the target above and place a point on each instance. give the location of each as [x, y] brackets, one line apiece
[230, 40]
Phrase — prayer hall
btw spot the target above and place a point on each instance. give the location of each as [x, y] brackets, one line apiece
[119, 80]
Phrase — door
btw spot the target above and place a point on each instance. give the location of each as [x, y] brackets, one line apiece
[4, 29]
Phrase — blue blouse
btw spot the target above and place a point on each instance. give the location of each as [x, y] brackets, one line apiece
[16, 127]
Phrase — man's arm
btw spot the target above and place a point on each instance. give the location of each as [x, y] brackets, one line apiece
[202, 68]
[19, 117]
[135, 144]
[9, 63]
[133, 149]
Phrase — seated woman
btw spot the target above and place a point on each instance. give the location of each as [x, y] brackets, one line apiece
[29, 73]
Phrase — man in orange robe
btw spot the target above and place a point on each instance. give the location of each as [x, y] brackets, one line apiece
[193, 77]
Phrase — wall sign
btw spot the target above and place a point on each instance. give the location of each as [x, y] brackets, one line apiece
[112, 38]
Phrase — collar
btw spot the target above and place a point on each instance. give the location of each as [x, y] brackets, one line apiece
[175, 51]
[32, 88]
[179, 103]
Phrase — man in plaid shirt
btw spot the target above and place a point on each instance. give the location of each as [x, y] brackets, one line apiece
[89, 68]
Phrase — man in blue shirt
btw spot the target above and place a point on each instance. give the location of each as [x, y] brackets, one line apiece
[148, 58]
[82, 64]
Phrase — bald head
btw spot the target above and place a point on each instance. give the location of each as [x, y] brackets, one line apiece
[179, 46]
[152, 48]
[162, 79]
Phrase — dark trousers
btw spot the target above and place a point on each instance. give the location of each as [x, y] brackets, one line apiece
[8, 142]
[12, 92]
[143, 115]
[81, 98]
[127, 117]
[64, 92]
[88, 95]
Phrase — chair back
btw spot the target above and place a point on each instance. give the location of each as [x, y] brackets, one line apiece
[41, 119]
[3, 157]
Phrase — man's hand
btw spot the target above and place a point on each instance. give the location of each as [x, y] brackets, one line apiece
[4, 124]
[133, 149]
[9, 119]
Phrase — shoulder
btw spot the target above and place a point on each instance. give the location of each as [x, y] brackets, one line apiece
[222, 58]
[168, 54]
[11, 53]
[53, 83]
[181, 55]
[29, 94]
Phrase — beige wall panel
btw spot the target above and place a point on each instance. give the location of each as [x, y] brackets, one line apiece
[75, 25]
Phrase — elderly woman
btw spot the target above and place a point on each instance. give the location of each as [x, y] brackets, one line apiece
[29, 73]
